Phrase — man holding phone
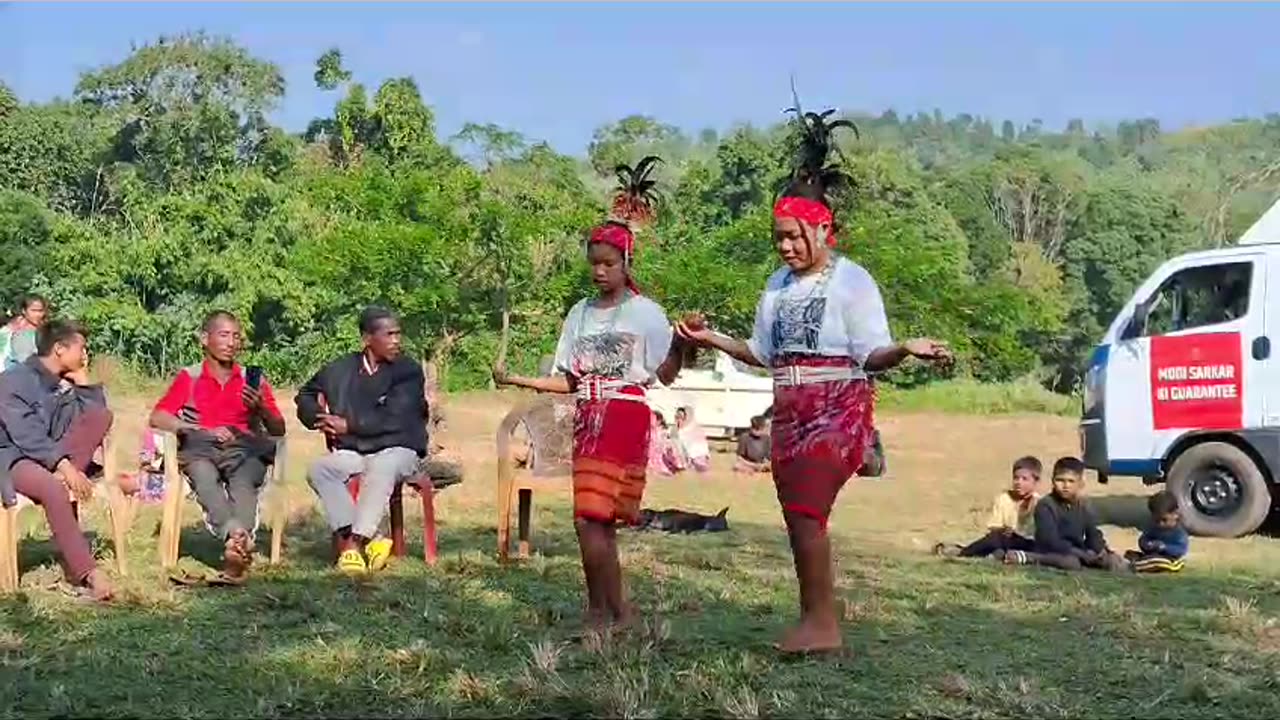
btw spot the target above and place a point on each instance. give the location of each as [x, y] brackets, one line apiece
[225, 417]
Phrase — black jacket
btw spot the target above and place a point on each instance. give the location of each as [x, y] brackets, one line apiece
[36, 409]
[394, 415]
[1064, 529]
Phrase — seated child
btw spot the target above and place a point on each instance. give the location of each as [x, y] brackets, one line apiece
[1164, 543]
[692, 449]
[1067, 535]
[754, 448]
[661, 454]
[1011, 524]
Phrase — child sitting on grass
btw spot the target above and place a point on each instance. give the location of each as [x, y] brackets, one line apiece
[1067, 535]
[754, 448]
[1164, 543]
[1011, 524]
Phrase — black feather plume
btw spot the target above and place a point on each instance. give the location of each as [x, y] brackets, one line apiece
[814, 139]
[636, 197]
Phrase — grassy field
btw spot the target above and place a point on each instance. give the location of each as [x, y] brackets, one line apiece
[472, 638]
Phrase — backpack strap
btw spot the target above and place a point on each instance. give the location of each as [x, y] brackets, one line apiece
[189, 412]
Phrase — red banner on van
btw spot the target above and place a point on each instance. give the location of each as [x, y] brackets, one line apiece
[1197, 381]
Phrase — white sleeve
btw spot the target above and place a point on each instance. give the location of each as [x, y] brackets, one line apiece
[564, 348]
[761, 342]
[864, 317]
[658, 335]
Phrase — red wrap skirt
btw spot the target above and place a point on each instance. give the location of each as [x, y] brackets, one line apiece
[610, 455]
[821, 431]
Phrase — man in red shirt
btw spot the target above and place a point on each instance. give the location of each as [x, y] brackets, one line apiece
[220, 420]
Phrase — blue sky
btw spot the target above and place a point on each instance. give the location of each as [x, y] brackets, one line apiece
[556, 71]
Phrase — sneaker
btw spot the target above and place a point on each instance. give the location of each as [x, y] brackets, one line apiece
[379, 553]
[352, 562]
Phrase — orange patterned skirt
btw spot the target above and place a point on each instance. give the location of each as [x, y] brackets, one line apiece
[610, 455]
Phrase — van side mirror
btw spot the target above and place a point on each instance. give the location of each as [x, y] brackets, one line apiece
[1138, 323]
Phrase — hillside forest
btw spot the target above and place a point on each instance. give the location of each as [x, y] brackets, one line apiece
[161, 190]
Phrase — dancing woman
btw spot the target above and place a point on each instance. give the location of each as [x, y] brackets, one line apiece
[612, 347]
[821, 326]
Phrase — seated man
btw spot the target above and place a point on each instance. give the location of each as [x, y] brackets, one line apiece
[371, 408]
[219, 418]
[754, 448]
[51, 423]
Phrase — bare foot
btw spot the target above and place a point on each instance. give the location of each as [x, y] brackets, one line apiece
[234, 563]
[99, 586]
[595, 619]
[245, 542]
[812, 636]
[626, 621]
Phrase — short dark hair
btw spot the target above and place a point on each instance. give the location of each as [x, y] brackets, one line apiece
[58, 332]
[371, 316]
[1030, 463]
[1162, 503]
[212, 319]
[31, 299]
[757, 422]
[1069, 465]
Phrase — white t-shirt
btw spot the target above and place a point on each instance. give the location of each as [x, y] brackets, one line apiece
[836, 313]
[628, 341]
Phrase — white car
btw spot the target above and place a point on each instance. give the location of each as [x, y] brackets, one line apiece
[724, 398]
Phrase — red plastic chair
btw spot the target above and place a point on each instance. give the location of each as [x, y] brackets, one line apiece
[426, 491]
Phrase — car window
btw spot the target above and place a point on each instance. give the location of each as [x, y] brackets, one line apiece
[1199, 297]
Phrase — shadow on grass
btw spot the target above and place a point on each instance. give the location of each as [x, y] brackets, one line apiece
[472, 637]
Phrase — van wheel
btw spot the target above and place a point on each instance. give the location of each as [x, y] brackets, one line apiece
[1220, 489]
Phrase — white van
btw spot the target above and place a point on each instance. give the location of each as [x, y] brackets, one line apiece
[724, 397]
[1184, 388]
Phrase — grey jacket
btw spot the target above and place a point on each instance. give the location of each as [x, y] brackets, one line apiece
[36, 409]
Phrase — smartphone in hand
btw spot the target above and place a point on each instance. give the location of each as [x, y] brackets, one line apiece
[253, 376]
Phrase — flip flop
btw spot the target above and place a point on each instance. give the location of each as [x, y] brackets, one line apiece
[217, 579]
[222, 579]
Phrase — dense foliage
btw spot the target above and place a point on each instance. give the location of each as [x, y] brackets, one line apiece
[160, 191]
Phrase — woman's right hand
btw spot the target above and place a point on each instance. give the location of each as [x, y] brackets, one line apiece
[693, 328]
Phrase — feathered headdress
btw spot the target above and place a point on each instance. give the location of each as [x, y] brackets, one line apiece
[636, 197]
[814, 135]
[633, 206]
[805, 196]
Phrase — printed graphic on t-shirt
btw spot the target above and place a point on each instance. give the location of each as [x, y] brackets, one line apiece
[606, 354]
[798, 324]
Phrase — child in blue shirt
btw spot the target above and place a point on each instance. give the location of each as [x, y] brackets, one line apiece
[1164, 543]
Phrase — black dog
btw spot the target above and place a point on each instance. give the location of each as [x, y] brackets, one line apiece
[682, 521]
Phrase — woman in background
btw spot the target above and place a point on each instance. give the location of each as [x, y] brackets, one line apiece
[691, 440]
[18, 336]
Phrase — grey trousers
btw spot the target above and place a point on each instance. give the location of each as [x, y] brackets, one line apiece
[230, 502]
[381, 471]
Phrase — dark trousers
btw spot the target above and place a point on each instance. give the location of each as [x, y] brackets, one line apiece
[83, 437]
[227, 480]
[1108, 561]
[996, 540]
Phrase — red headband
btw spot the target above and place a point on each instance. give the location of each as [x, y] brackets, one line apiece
[807, 211]
[620, 238]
